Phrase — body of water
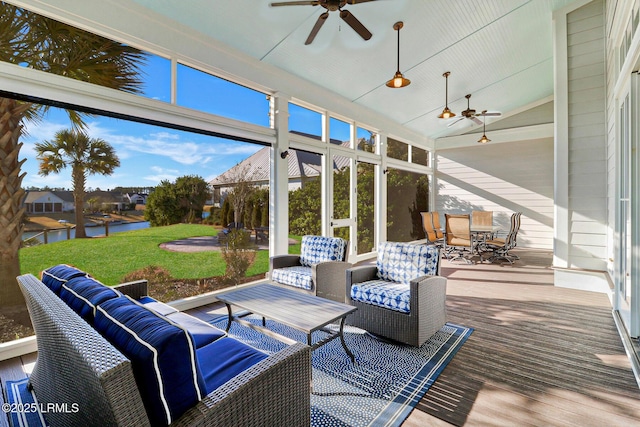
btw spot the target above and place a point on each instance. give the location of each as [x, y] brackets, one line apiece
[57, 235]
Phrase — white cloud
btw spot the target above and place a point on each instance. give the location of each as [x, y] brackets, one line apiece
[160, 174]
[172, 146]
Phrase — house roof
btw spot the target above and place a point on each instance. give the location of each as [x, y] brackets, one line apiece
[302, 164]
[65, 196]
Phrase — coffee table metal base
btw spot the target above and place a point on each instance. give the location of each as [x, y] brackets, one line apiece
[303, 312]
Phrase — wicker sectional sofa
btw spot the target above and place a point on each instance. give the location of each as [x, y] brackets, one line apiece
[128, 360]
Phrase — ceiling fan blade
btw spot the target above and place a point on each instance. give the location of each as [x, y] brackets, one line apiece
[355, 24]
[319, 23]
[358, 1]
[454, 121]
[493, 113]
[476, 120]
[296, 3]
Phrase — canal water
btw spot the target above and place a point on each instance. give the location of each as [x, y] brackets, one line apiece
[61, 234]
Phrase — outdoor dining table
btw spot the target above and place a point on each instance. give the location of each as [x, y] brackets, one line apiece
[479, 234]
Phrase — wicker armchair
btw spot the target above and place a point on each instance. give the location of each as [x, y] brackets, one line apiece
[402, 297]
[318, 270]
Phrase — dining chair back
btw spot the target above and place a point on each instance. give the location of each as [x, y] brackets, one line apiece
[433, 235]
[435, 219]
[482, 218]
[458, 241]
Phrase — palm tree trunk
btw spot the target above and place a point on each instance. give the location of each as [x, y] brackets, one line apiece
[79, 179]
[11, 202]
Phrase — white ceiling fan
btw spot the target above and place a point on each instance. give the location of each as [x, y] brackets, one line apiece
[471, 114]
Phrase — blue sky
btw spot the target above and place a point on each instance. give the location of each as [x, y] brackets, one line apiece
[150, 154]
[147, 154]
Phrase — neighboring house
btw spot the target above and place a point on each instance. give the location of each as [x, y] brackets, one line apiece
[48, 202]
[136, 198]
[110, 200]
[58, 201]
[303, 166]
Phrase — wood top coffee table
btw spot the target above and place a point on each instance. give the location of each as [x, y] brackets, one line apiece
[304, 312]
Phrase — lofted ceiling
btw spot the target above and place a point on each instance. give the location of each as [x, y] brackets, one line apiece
[500, 51]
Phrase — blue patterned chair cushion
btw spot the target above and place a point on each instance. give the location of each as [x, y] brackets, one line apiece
[317, 249]
[55, 276]
[298, 276]
[402, 262]
[162, 355]
[391, 295]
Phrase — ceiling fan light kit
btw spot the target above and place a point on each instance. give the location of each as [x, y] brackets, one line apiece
[398, 79]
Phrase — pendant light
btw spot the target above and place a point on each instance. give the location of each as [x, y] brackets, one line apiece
[446, 113]
[398, 79]
[484, 138]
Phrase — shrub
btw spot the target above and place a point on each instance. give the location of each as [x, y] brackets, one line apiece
[159, 282]
[239, 254]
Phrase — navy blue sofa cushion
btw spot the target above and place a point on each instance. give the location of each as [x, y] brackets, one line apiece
[162, 354]
[55, 276]
[224, 359]
[84, 293]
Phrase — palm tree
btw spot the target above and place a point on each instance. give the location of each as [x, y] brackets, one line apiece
[31, 40]
[86, 156]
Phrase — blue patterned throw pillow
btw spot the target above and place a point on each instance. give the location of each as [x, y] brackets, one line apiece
[317, 249]
[402, 262]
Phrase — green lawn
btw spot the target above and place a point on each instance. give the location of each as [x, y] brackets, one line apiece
[110, 259]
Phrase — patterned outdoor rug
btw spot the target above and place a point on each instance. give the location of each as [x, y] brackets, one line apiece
[21, 406]
[384, 385]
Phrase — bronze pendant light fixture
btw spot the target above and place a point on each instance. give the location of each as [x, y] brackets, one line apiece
[446, 113]
[398, 79]
[484, 138]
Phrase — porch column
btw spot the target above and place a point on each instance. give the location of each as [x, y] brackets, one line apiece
[279, 178]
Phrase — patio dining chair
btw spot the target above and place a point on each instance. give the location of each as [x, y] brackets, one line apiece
[458, 243]
[482, 219]
[434, 235]
[500, 247]
[435, 218]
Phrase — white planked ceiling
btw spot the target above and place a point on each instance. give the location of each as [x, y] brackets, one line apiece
[500, 51]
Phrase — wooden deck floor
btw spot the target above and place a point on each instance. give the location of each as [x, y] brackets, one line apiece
[539, 355]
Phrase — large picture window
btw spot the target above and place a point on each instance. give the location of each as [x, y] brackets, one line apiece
[407, 196]
[206, 92]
